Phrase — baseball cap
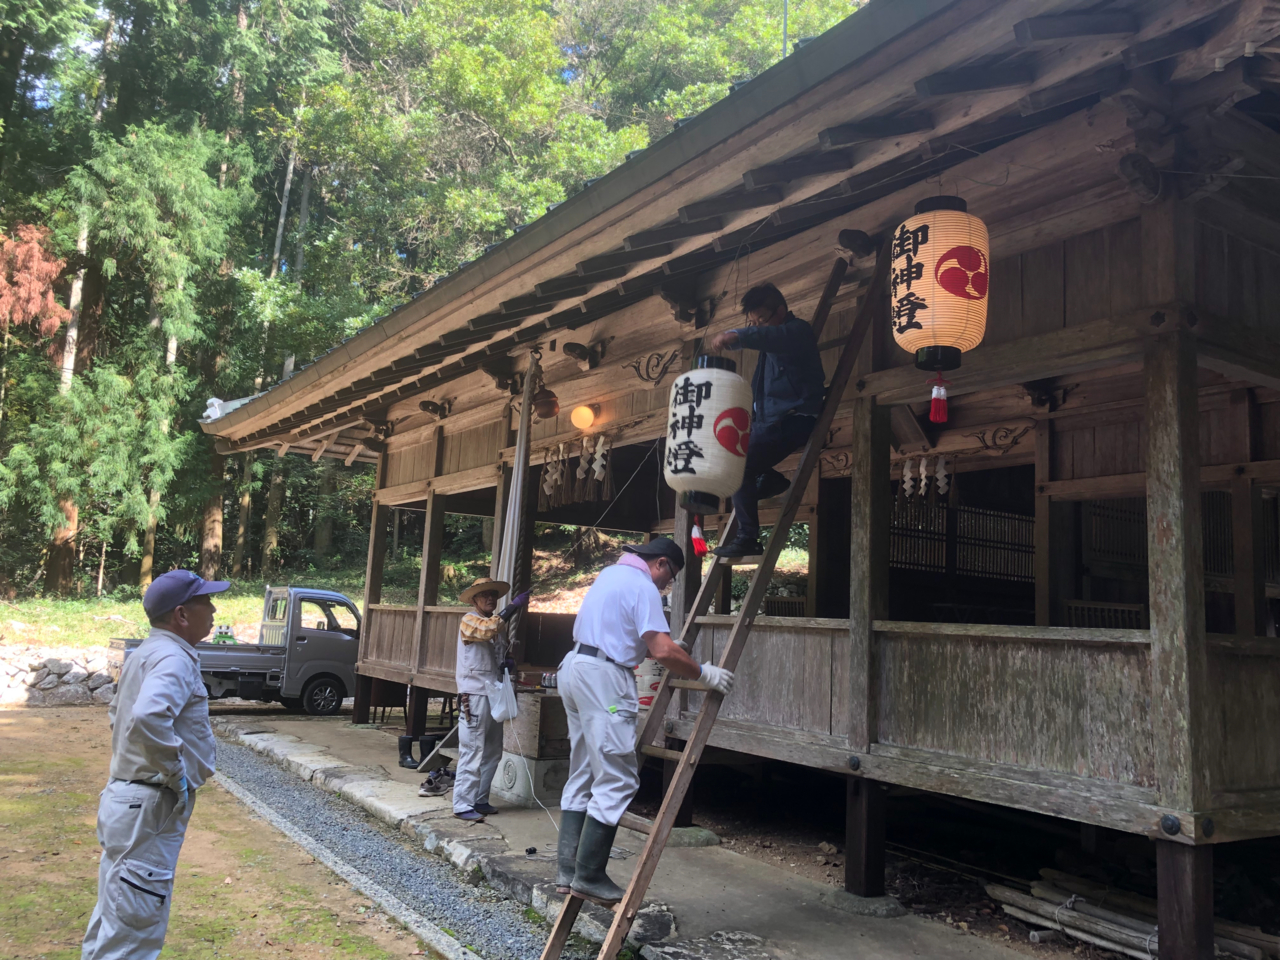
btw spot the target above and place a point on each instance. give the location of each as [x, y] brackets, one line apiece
[660, 547]
[175, 588]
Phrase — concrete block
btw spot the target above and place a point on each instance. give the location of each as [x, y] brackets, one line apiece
[390, 801]
[653, 920]
[881, 907]
[443, 829]
[336, 777]
[524, 782]
[306, 759]
[515, 876]
[721, 945]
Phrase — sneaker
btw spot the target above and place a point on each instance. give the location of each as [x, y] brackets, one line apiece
[772, 484]
[488, 809]
[741, 547]
[470, 816]
[433, 786]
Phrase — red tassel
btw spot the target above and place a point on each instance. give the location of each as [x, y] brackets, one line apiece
[699, 541]
[938, 408]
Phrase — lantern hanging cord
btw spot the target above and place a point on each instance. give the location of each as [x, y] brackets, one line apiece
[618, 495]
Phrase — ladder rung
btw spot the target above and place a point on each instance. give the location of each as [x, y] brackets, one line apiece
[739, 561]
[639, 824]
[691, 685]
[651, 751]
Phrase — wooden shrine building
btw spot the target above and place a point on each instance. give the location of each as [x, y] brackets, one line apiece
[1084, 624]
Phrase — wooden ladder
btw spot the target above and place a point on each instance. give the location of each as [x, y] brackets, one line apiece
[624, 913]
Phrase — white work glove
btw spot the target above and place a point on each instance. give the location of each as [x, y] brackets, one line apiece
[183, 790]
[717, 678]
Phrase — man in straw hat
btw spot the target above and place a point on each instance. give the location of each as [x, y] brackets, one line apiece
[479, 735]
[621, 620]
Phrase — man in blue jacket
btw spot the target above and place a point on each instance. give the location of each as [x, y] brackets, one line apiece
[787, 394]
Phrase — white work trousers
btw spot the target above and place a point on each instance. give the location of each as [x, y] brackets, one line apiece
[601, 705]
[140, 829]
[479, 750]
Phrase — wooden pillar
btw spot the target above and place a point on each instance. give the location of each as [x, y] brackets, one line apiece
[864, 838]
[377, 544]
[1168, 253]
[363, 699]
[1247, 537]
[432, 544]
[1043, 526]
[829, 566]
[685, 588]
[1184, 900]
[415, 712]
[1179, 663]
[869, 562]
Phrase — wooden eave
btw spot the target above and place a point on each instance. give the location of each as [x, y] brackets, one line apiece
[870, 66]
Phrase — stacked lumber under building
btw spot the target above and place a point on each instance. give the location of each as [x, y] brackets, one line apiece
[1116, 919]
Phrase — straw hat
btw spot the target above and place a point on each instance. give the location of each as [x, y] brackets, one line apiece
[481, 585]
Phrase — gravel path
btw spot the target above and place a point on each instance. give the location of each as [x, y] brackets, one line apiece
[492, 926]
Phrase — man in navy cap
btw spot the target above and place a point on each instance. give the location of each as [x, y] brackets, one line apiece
[161, 752]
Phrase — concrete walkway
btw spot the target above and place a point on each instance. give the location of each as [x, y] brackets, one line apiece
[705, 902]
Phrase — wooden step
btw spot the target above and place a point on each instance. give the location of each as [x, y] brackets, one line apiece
[633, 821]
[740, 561]
[649, 750]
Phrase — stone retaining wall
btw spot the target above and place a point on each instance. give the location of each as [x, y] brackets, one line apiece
[44, 677]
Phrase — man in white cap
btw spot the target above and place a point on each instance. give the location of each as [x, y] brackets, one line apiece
[479, 735]
[161, 752]
[621, 620]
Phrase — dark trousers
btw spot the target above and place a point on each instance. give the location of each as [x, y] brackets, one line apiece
[770, 444]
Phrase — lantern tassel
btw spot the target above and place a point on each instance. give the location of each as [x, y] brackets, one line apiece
[938, 408]
[699, 541]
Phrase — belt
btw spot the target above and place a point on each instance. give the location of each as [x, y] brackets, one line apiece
[587, 650]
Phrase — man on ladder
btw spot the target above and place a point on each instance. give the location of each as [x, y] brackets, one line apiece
[786, 394]
[621, 618]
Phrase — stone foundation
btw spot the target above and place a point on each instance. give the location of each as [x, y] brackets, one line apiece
[43, 677]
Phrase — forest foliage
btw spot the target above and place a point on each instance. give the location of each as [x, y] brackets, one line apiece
[199, 196]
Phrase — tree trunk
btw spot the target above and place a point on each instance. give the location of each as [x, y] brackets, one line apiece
[60, 567]
[299, 259]
[102, 565]
[271, 533]
[246, 511]
[145, 569]
[324, 519]
[153, 519]
[211, 534]
[284, 210]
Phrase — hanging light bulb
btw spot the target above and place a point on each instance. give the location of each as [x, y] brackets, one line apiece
[584, 416]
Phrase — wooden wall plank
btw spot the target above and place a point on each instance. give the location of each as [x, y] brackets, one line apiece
[869, 562]
[1043, 296]
[1124, 250]
[1004, 308]
[1087, 281]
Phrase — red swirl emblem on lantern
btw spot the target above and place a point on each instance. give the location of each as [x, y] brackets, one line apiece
[733, 430]
[963, 271]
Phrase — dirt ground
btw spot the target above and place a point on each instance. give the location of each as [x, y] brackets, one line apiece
[242, 890]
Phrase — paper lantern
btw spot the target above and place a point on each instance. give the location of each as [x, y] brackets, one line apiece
[940, 276]
[708, 427]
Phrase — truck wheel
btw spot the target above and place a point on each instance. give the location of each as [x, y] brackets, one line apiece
[322, 697]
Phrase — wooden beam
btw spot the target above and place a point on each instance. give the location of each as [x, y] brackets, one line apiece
[797, 169]
[673, 232]
[1162, 48]
[874, 128]
[559, 285]
[531, 302]
[1238, 351]
[1175, 570]
[974, 79]
[1220, 90]
[908, 435]
[623, 258]
[1102, 82]
[730, 203]
[1072, 25]
[1184, 901]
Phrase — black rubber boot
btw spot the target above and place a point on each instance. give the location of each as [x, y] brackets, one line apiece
[425, 746]
[406, 752]
[570, 831]
[589, 879]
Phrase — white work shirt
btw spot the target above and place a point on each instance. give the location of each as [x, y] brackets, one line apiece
[160, 728]
[619, 609]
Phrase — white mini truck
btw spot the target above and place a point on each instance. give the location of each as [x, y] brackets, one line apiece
[305, 655]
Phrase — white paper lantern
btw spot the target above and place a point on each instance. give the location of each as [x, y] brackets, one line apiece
[708, 426]
[940, 276]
